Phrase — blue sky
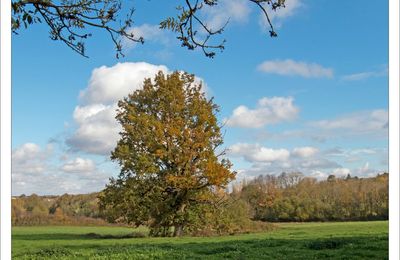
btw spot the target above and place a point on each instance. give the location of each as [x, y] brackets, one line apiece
[314, 99]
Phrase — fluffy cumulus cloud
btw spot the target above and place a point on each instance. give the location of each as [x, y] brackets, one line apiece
[26, 151]
[323, 174]
[341, 172]
[268, 111]
[301, 157]
[109, 84]
[309, 160]
[305, 152]
[79, 165]
[30, 158]
[29, 162]
[290, 67]
[96, 128]
[37, 170]
[319, 175]
[258, 153]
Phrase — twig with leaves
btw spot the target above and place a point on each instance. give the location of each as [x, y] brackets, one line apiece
[72, 22]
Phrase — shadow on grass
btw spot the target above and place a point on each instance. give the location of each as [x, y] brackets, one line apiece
[333, 248]
[130, 235]
[66, 236]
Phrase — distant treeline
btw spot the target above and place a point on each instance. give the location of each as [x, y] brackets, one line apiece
[56, 210]
[287, 197]
[293, 197]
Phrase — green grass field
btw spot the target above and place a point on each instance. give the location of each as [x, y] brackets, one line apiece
[346, 240]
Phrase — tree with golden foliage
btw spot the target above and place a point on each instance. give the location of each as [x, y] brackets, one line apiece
[168, 158]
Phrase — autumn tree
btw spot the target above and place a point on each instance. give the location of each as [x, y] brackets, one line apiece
[168, 156]
[73, 21]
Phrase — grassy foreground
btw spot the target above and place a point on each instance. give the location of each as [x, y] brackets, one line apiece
[346, 240]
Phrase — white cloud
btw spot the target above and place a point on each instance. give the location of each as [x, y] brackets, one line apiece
[323, 174]
[149, 32]
[308, 160]
[366, 75]
[264, 160]
[317, 163]
[277, 17]
[336, 152]
[341, 172]
[365, 171]
[258, 153]
[37, 170]
[81, 114]
[268, 111]
[30, 158]
[236, 11]
[55, 183]
[109, 84]
[96, 127]
[357, 123]
[305, 152]
[316, 167]
[25, 152]
[79, 165]
[364, 151]
[320, 175]
[96, 133]
[290, 67]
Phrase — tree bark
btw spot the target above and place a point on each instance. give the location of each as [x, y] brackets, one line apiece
[178, 232]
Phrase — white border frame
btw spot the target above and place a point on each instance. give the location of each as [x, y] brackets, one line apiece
[5, 132]
[394, 130]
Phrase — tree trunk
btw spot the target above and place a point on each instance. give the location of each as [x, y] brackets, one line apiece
[178, 230]
[179, 226]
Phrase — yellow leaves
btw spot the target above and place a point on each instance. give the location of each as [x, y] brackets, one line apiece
[159, 153]
[217, 174]
[182, 181]
[203, 196]
[169, 135]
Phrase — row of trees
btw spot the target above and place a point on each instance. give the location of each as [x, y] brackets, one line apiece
[226, 216]
[66, 209]
[268, 198]
[293, 197]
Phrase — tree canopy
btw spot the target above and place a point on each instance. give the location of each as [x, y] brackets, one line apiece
[167, 153]
[73, 21]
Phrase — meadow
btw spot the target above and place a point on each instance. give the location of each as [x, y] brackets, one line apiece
[329, 240]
